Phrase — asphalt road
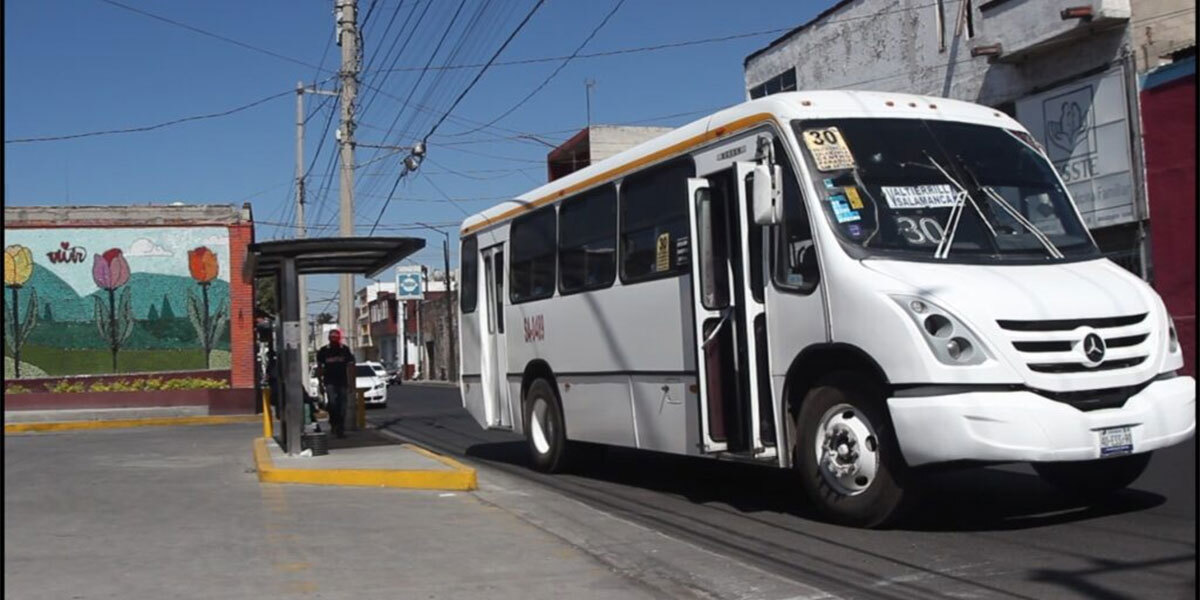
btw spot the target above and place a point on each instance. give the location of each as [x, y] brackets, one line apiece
[995, 532]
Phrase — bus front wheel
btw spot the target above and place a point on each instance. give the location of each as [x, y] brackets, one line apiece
[544, 428]
[846, 452]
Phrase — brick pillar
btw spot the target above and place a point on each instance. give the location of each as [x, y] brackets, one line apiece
[241, 308]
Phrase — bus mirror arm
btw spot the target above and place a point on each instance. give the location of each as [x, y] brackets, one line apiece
[763, 194]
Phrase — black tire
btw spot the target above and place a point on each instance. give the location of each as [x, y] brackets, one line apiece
[548, 444]
[855, 410]
[1094, 478]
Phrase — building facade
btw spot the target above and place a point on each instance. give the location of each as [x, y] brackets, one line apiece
[384, 328]
[1169, 108]
[594, 144]
[366, 348]
[1067, 69]
[93, 292]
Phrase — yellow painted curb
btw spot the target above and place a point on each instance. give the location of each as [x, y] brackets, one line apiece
[457, 477]
[123, 423]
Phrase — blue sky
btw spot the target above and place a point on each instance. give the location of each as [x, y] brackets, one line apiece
[75, 66]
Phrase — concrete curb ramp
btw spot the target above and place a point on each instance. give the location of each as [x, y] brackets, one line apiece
[456, 476]
[35, 427]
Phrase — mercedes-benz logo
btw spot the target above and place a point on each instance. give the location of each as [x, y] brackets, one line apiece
[1093, 349]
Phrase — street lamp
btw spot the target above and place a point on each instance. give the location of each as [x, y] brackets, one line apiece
[451, 373]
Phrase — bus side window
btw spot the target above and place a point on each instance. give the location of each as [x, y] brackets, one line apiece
[654, 222]
[587, 237]
[795, 253]
[534, 239]
[469, 288]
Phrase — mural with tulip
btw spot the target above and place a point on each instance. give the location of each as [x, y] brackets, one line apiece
[204, 269]
[18, 267]
[124, 300]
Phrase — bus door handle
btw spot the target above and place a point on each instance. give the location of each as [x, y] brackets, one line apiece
[713, 334]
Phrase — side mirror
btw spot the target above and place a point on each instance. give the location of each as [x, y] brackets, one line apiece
[764, 195]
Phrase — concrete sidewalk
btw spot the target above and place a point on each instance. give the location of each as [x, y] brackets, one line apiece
[178, 512]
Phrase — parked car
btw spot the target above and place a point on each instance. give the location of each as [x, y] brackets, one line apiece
[395, 376]
[371, 378]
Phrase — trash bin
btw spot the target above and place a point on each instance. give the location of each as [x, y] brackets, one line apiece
[317, 441]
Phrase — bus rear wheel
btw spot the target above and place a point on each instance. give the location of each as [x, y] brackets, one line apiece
[544, 428]
[847, 454]
[1094, 478]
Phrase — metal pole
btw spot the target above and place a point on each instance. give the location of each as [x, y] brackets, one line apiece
[403, 340]
[420, 336]
[290, 378]
[1141, 205]
[301, 224]
[450, 358]
[347, 23]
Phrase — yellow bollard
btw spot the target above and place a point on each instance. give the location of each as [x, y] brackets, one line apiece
[267, 429]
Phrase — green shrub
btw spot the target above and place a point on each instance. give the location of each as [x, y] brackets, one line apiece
[194, 383]
[16, 389]
[64, 386]
[145, 384]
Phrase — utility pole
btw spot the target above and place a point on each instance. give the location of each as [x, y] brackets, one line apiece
[301, 227]
[301, 223]
[347, 29]
[588, 84]
[451, 358]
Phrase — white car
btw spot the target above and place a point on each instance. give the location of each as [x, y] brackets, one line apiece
[371, 379]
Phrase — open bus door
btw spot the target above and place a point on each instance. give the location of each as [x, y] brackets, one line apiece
[496, 407]
[712, 311]
[729, 311]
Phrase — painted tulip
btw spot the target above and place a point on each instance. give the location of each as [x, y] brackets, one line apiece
[18, 265]
[203, 264]
[110, 271]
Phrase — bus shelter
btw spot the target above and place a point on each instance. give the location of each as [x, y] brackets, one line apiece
[287, 260]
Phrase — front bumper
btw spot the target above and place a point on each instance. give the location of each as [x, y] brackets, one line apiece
[1023, 426]
[374, 396]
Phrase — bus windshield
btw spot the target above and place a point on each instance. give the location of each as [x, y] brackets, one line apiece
[936, 190]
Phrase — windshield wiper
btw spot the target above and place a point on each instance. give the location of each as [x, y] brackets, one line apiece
[1012, 212]
[943, 248]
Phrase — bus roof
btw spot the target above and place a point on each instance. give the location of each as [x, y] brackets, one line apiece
[781, 108]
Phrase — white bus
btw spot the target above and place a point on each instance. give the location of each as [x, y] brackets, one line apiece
[850, 284]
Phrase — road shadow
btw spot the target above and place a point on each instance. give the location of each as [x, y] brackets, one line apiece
[993, 499]
[971, 499]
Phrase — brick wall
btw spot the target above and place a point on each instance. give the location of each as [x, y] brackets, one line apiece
[241, 310]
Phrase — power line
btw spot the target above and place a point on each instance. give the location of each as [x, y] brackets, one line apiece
[638, 49]
[462, 95]
[150, 127]
[212, 35]
[485, 68]
[556, 71]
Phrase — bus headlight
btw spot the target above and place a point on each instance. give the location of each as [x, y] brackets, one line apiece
[947, 337]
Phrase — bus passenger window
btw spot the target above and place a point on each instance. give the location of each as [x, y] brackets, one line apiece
[654, 222]
[796, 256]
[587, 241]
[469, 288]
[531, 269]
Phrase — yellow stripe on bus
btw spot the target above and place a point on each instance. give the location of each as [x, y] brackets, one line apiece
[680, 147]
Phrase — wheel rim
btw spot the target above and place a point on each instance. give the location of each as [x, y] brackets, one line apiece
[541, 426]
[847, 450]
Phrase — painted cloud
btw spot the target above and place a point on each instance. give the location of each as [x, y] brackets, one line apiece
[146, 247]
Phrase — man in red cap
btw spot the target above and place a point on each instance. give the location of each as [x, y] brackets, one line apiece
[335, 370]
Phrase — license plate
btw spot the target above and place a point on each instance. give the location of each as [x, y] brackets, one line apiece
[1116, 441]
